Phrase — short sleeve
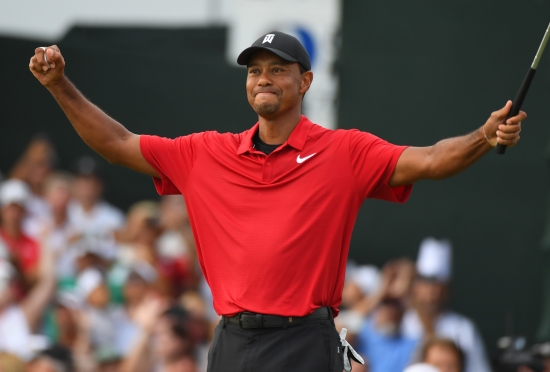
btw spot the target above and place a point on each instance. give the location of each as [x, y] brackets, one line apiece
[373, 161]
[173, 160]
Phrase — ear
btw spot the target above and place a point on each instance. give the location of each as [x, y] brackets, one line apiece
[307, 79]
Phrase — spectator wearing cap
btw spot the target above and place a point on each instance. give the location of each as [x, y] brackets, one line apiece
[380, 339]
[24, 250]
[94, 294]
[93, 218]
[429, 316]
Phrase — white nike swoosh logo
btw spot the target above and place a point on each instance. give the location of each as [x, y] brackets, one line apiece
[300, 160]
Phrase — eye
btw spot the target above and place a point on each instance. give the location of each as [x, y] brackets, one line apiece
[253, 71]
[277, 69]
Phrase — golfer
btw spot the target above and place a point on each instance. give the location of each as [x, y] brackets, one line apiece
[273, 208]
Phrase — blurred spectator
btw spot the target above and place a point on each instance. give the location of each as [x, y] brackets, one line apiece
[92, 217]
[165, 344]
[24, 250]
[443, 354]
[33, 168]
[18, 320]
[92, 288]
[138, 242]
[177, 243]
[429, 316]
[56, 232]
[380, 339]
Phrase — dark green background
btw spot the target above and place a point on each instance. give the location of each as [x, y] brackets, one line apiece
[412, 72]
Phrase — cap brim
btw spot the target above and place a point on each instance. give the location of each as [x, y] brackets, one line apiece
[244, 57]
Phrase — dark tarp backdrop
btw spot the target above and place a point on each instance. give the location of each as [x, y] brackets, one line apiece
[411, 72]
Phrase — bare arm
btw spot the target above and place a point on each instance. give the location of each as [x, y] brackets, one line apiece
[103, 134]
[37, 299]
[451, 156]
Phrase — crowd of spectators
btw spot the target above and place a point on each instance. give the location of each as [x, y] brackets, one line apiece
[85, 287]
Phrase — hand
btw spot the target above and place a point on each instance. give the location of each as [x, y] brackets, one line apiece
[497, 132]
[48, 76]
[148, 312]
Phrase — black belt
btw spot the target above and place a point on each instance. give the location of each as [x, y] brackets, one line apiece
[254, 321]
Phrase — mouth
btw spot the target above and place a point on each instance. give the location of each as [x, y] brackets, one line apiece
[266, 93]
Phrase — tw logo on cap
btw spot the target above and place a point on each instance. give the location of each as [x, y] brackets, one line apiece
[268, 38]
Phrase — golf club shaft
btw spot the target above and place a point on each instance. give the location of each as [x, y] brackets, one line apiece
[524, 88]
[518, 102]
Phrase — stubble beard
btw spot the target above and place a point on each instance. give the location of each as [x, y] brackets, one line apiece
[266, 109]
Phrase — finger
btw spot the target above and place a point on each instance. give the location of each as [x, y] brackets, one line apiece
[508, 143]
[503, 112]
[507, 136]
[36, 64]
[510, 128]
[518, 118]
[39, 54]
[54, 56]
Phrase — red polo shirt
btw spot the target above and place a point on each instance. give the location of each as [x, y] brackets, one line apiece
[273, 232]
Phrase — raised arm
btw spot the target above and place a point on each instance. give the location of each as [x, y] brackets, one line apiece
[451, 156]
[103, 134]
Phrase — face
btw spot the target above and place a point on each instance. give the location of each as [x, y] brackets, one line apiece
[168, 346]
[388, 318]
[444, 358]
[173, 212]
[87, 189]
[13, 214]
[275, 86]
[58, 195]
[135, 290]
[429, 296]
[99, 297]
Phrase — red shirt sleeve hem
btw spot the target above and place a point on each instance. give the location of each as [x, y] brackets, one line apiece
[163, 185]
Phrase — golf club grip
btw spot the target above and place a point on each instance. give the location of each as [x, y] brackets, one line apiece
[517, 103]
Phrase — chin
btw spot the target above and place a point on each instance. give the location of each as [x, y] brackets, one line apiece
[264, 109]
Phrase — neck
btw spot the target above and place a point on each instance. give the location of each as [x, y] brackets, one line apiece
[276, 130]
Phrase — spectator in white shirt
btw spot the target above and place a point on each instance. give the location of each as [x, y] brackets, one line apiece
[92, 217]
[429, 317]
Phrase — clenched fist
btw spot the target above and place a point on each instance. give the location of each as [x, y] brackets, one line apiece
[47, 65]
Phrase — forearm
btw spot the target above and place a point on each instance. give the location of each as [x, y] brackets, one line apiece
[102, 133]
[453, 155]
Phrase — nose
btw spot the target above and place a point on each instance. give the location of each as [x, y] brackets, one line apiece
[264, 79]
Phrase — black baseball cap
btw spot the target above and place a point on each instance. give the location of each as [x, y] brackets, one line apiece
[284, 45]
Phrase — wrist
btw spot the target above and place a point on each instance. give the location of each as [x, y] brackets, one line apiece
[58, 86]
[490, 138]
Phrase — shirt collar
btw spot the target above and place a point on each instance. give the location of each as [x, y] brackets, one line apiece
[297, 138]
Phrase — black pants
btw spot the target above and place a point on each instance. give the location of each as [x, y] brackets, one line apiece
[311, 347]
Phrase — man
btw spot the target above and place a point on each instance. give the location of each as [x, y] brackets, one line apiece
[263, 203]
[24, 250]
[430, 316]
